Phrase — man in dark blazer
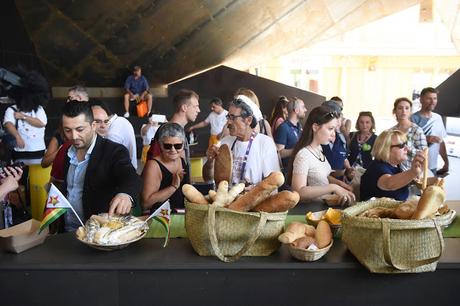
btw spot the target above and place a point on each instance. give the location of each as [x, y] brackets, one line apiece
[98, 174]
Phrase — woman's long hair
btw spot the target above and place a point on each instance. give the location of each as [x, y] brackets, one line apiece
[278, 110]
[319, 115]
[33, 92]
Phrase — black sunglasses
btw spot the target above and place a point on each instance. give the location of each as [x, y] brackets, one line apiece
[331, 115]
[169, 146]
[399, 145]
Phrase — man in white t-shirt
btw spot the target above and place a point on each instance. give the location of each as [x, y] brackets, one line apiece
[433, 127]
[216, 118]
[254, 154]
[115, 128]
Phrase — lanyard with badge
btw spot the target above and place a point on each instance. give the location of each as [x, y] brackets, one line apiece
[245, 158]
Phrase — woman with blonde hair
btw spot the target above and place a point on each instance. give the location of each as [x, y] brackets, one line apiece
[384, 176]
[416, 140]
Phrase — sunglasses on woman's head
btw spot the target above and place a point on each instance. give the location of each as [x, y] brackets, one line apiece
[331, 115]
[169, 146]
[399, 145]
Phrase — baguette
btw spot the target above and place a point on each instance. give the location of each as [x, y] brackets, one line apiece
[294, 231]
[281, 201]
[430, 201]
[259, 193]
[193, 195]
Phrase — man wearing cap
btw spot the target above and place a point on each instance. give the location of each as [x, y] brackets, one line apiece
[137, 87]
[336, 151]
[254, 154]
[216, 118]
[288, 133]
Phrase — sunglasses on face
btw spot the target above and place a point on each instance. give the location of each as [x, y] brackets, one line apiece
[399, 145]
[169, 146]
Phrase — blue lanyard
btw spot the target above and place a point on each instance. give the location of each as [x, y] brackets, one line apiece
[245, 158]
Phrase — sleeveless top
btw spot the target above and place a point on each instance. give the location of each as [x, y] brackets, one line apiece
[177, 198]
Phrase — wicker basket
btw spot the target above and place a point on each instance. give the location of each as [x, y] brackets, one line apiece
[230, 234]
[393, 245]
[308, 255]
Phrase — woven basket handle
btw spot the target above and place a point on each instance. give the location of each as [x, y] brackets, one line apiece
[213, 236]
[417, 263]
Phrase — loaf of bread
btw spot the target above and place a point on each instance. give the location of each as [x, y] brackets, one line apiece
[282, 201]
[294, 231]
[323, 235]
[406, 209]
[379, 212]
[304, 242]
[430, 201]
[259, 193]
[193, 195]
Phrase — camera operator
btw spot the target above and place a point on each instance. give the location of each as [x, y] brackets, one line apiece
[9, 178]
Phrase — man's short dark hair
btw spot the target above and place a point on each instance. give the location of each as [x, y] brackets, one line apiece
[216, 101]
[74, 109]
[428, 90]
[183, 97]
[102, 105]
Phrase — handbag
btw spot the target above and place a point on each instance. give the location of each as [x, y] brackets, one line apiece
[141, 108]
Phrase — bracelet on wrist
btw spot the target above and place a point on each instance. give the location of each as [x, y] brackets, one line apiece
[174, 187]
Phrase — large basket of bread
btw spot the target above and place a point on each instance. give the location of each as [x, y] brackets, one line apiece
[229, 225]
[389, 236]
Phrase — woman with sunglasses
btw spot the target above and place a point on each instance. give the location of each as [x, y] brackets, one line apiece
[309, 171]
[384, 176]
[164, 175]
[416, 140]
[362, 141]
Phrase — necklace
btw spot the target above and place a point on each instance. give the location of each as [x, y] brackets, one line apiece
[319, 155]
[362, 139]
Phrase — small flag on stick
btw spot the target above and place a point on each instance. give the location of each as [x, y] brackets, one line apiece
[56, 206]
[163, 215]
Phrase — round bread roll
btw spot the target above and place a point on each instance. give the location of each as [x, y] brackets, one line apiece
[405, 210]
[304, 242]
[323, 234]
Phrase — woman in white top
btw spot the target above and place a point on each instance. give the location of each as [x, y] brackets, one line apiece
[26, 120]
[309, 172]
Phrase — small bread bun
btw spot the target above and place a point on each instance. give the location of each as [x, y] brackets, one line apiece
[303, 242]
[323, 234]
[193, 195]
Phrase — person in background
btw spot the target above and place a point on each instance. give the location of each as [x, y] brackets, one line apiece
[9, 180]
[279, 113]
[115, 128]
[77, 93]
[216, 118]
[416, 141]
[433, 127]
[26, 119]
[98, 174]
[309, 171]
[137, 88]
[345, 126]
[148, 131]
[384, 177]
[163, 176]
[288, 133]
[362, 141]
[53, 147]
[337, 150]
[254, 154]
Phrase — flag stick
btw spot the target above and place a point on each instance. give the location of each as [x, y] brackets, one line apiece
[155, 212]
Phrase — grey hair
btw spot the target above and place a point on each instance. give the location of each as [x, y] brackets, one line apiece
[171, 129]
[293, 105]
[246, 111]
[80, 90]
